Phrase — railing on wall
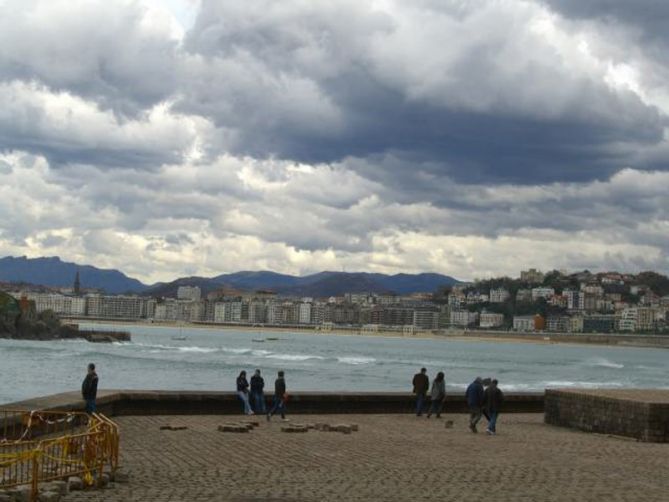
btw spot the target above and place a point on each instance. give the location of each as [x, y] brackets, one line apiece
[41, 446]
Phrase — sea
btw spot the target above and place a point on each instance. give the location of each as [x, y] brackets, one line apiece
[188, 358]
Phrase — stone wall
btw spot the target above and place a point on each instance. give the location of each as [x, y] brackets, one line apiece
[640, 414]
[136, 402]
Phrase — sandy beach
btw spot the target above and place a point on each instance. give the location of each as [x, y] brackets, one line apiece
[617, 339]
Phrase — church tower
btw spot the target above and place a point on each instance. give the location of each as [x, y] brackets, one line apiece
[77, 284]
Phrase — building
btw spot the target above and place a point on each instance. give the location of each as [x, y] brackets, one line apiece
[426, 319]
[524, 295]
[575, 299]
[532, 276]
[558, 324]
[304, 313]
[491, 320]
[59, 304]
[599, 323]
[463, 318]
[637, 319]
[545, 293]
[529, 323]
[499, 295]
[189, 293]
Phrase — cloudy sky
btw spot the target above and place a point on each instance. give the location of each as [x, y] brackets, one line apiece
[468, 137]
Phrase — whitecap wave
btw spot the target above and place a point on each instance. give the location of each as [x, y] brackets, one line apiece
[601, 362]
[293, 357]
[355, 360]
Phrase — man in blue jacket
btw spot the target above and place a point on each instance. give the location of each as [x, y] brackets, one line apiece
[474, 396]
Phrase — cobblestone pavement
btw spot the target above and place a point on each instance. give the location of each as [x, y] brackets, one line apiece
[392, 457]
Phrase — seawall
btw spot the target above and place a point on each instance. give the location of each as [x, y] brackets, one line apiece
[147, 402]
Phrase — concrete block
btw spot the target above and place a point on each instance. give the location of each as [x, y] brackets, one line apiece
[75, 483]
[49, 497]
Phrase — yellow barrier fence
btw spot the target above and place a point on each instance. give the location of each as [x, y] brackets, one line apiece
[39, 446]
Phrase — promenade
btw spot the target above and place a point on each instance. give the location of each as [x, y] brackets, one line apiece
[392, 457]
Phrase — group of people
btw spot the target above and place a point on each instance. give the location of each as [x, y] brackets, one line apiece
[482, 401]
[252, 395]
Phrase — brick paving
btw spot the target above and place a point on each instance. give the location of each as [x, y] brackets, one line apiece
[392, 457]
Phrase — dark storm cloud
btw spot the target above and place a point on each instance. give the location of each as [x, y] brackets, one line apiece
[313, 85]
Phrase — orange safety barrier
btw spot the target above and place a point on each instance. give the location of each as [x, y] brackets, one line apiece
[40, 446]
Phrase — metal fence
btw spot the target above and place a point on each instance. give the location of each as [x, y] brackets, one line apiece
[39, 446]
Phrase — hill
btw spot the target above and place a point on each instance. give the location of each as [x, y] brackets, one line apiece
[55, 273]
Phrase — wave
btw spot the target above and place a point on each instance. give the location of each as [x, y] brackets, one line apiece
[355, 360]
[293, 357]
[601, 362]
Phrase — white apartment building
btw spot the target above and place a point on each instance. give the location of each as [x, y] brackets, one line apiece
[575, 299]
[189, 293]
[491, 320]
[637, 319]
[60, 304]
[304, 313]
[542, 293]
[463, 318]
[426, 319]
[499, 295]
[523, 323]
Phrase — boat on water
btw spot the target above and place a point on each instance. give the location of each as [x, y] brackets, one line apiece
[179, 338]
[258, 340]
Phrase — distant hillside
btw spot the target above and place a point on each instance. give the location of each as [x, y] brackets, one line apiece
[52, 272]
[325, 284]
[169, 289]
[56, 273]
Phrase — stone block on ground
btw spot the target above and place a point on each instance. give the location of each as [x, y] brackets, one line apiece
[75, 483]
[293, 429]
[173, 427]
[343, 428]
[355, 427]
[49, 497]
[20, 494]
[55, 486]
[311, 426]
[121, 476]
[233, 428]
[448, 424]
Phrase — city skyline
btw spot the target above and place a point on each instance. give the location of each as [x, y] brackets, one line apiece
[177, 138]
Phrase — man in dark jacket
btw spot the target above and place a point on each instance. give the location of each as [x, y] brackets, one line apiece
[492, 403]
[474, 396]
[279, 403]
[89, 389]
[421, 384]
[257, 394]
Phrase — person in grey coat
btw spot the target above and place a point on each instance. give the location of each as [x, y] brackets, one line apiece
[438, 395]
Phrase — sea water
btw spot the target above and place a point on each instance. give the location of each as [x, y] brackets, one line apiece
[189, 358]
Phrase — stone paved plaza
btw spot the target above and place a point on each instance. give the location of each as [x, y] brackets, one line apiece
[392, 457]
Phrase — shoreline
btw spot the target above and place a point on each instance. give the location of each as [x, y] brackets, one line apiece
[610, 340]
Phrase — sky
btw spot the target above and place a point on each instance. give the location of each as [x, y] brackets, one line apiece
[473, 138]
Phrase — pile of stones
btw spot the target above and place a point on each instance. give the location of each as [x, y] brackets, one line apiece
[322, 427]
[55, 491]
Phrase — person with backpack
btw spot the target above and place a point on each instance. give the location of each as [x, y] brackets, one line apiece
[493, 398]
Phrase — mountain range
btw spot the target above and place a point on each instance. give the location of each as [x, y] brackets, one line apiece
[53, 272]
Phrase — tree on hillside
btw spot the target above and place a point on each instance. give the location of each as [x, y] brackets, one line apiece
[658, 283]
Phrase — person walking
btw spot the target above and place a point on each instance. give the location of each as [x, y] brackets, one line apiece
[279, 402]
[438, 395]
[492, 403]
[89, 389]
[474, 396]
[243, 392]
[421, 385]
[257, 394]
